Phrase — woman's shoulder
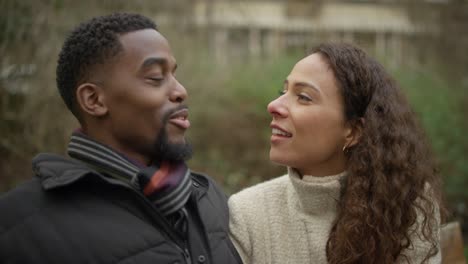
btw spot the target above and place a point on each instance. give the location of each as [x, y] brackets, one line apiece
[264, 188]
[268, 191]
[250, 211]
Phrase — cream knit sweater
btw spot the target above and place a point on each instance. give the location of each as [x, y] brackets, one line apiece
[288, 219]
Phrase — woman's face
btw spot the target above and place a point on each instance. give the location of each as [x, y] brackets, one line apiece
[308, 127]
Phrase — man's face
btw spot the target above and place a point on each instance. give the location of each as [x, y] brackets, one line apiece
[147, 117]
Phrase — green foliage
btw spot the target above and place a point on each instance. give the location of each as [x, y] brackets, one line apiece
[231, 104]
[258, 82]
[228, 102]
[466, 252]
[234, 109]
[15, 19]
[439, 104]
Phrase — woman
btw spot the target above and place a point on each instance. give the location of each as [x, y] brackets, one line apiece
[361, 185]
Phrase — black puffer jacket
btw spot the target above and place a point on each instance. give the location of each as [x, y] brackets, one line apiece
[71, 214]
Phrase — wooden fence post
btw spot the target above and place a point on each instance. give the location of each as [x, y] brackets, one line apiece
[452, 244]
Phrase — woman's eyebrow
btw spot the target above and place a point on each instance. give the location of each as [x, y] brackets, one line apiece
[305, 85]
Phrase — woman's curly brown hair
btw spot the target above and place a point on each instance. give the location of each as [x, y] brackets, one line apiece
[392, 189]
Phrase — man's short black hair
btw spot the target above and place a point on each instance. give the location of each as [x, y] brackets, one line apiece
[93, 42]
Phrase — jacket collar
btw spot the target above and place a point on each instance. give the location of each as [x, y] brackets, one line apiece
[56, 171]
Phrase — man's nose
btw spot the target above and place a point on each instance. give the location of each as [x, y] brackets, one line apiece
[178, 93]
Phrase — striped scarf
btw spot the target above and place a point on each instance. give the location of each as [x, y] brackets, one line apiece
[168, 186]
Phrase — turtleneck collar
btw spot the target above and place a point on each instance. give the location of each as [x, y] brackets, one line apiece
[316, 195]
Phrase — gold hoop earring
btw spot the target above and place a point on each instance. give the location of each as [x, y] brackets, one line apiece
[345, 149]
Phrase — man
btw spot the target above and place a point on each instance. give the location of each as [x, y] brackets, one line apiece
[125, 194]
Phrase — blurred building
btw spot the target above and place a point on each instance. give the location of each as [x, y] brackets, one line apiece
[386, 28]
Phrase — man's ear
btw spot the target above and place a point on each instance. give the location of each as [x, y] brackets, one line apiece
[354, 132]
[90, 98]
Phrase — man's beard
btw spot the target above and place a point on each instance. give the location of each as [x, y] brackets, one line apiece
[163, 150]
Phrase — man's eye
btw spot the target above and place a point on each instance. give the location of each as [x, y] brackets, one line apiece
[156, 79]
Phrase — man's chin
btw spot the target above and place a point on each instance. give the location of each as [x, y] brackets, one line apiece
[179, 152]
[177, 140]
[174, 133]
[172, 146]
[174, 151]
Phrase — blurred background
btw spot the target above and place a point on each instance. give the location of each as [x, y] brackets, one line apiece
[233, 57]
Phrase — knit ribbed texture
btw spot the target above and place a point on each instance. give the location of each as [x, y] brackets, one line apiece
[288, 220]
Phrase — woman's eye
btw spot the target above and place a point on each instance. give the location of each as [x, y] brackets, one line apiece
[304, 98]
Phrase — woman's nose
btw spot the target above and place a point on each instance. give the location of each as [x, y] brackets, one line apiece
[278, 108]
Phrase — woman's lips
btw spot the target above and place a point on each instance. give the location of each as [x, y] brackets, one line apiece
[279, 131]
[279, 134]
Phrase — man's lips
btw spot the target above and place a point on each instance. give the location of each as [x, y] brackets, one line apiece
[180, 119]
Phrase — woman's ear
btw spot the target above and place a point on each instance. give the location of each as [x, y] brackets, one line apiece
[354, 132]
[90, 98]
